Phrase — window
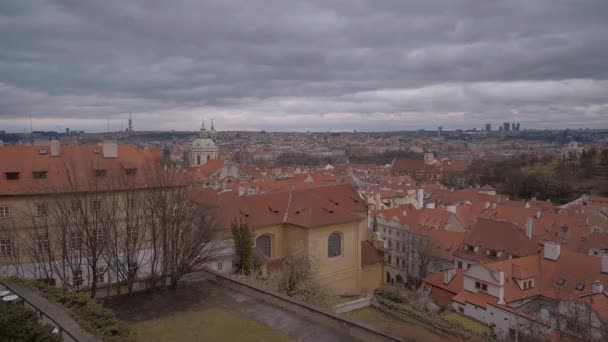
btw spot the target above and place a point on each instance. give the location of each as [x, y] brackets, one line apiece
[560, 281]
[100, 236]
[100, 172]
[42, 241]
[390, 259]
[130, 202]
[12, 175]
[460, 265]
[580, 286]
[219, 266]
[4, 212]
[75, 240]
[75, 205]
[77, 277]
[334, 245]
[132, 233]
[39, 174]
[96, 205]
[131, 171]
[42, 209]
[6, 248]
[263, 243]
[492, 253]
[101, 274]
[481, 286]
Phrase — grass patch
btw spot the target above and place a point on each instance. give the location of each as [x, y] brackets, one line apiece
[213, 324]
[368, 315]
[467, 323]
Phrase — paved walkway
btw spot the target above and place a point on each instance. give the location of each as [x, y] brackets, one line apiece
[284, 321]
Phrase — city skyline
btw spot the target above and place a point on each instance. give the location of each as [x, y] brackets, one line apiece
[315, 66]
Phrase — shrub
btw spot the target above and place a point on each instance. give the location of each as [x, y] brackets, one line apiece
[20, 324]
[87, 312]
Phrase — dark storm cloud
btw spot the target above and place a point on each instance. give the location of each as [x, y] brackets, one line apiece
[316, 64]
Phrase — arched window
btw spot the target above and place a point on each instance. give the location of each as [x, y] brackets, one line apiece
[198, 160]
[263, 243]
[334, 245]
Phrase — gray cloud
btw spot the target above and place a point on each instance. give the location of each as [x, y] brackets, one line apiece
[316, 64]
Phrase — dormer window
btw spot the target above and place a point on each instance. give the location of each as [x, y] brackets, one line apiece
[12, 175]
[101, 172]
[39, 174]
[492, 253]
[470, 248]
[43, 151]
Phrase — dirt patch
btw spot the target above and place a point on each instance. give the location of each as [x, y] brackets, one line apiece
[148, 305]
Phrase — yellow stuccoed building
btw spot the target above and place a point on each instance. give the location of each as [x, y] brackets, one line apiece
[328, 223]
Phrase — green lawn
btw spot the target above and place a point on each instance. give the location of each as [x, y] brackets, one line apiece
[368, 314]
[213, 324]
[467, 323]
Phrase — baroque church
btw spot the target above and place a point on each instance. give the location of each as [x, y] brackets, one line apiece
[203, 148]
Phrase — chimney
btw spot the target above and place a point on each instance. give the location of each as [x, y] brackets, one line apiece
[452, 209]
[241, 191]
[604, 263]
[527, 205]
[552, 250]
[420, 198]
[487, 205]
[597, 287]
[448, 275]
[538, 214]
[499, 275]
[110, 149]
[493, 205]
[529, 227]
[55, 148]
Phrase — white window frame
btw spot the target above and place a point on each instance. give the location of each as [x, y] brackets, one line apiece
[6, 247]
[5, 212]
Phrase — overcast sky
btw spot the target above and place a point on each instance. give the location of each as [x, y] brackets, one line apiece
[303, 65]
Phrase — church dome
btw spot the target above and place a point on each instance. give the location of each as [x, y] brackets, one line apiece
[205, 143]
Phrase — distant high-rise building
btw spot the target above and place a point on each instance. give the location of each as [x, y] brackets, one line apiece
[67, 130]
[488, 127]
[439, 130]
[513, 126]
[506, 126]
[130, 128]
[517, 127]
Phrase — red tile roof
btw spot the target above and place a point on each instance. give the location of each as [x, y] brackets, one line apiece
[308, 208]
[73, 169]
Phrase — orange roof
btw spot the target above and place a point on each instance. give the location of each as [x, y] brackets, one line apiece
[308, 208]
[454, 286]
[73, 169]
[369, 254]
[478, 299]
[499, 236]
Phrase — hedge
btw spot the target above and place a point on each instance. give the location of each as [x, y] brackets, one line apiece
[20, 324]
[400, 306]
[87, 312]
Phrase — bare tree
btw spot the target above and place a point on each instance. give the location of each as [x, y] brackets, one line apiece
[180, 230]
